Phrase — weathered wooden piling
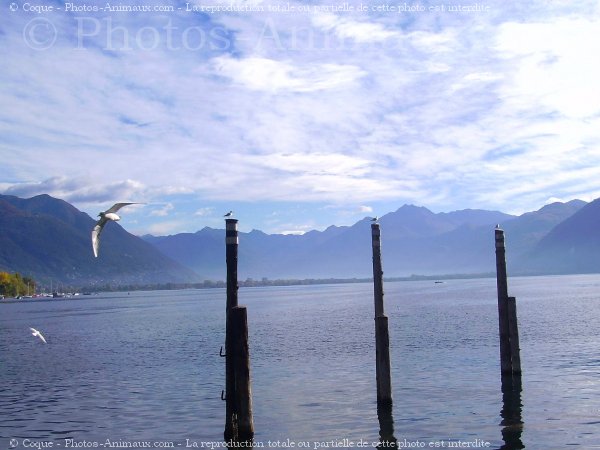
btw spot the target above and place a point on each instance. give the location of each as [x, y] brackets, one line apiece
[377, 269]
[513, 335]
[238, 400]
[510, 359]
[382, 339]
[242, 401]
[382, 355]
[231, 257]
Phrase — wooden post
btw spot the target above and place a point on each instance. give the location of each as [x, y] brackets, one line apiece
[383, 367]
[501, 281]
[239, 423]
[377, 269]
[241, 369]
[231, 258]
[382, 339]
[510, 360]
[513, 336]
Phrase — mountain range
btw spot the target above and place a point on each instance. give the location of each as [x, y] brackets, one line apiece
[48, 238]
[414, 241]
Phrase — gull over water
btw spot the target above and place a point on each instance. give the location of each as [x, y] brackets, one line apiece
[110, 215]
[36, 333]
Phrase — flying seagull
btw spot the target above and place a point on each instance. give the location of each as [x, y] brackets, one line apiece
[229, 214]
[109, 214]
[35, 332]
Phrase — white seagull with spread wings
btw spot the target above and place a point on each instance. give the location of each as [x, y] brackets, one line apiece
[109, 214]
[35, 332]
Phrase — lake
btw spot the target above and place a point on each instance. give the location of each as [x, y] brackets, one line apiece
[145, 366]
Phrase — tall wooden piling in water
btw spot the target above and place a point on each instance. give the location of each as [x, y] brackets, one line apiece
[382, 339]
[242, 400]
[231, 259]
[239, 423]
[510, 357]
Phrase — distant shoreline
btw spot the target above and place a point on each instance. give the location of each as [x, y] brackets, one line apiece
[249, 283]
[265, 282]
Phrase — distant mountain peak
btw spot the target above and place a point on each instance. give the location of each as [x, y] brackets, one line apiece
[554, 205]
[411, 207]
[49, 238]
[254, 231]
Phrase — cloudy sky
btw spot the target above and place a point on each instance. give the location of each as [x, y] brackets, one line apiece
[299, 119]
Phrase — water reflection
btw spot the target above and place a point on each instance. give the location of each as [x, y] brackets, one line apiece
[386, 427]
[511, 413]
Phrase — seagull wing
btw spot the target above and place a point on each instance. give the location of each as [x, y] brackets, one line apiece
[38, 334]
[117, 206]
[96, 235]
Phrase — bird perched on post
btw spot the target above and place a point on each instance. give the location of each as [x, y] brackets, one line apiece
[108, 215]
[374, 219]
[229, 214]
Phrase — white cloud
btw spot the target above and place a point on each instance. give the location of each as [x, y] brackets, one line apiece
[265, 74]
[469, 80]
[204, 212]
[294, 232]
[316, 163]
[350, 29]
[55, 185]
[164, 211]
[433, 42]
[432, 109]
[554, 69]
[79, 190]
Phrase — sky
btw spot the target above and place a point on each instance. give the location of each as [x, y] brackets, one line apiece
[299, 115]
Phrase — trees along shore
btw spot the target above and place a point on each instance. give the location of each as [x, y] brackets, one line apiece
[14, 285]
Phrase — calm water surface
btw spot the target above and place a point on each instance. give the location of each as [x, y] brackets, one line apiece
[146, 366]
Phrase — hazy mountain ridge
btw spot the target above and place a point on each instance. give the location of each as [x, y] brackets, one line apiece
[415, 241]
[49, 239]
[573, 246]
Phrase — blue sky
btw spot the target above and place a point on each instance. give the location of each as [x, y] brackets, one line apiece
[303, 119]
